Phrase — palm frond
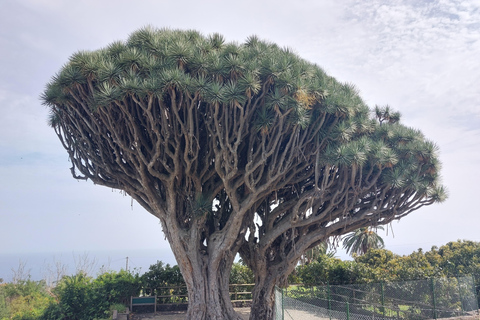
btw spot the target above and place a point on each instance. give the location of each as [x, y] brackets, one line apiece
[264, 120]
[106, 94]
[115, 49]
[362, 240]
[216, 40]
[438, 193]
[180, 54]
[89, 63]
[130, 59]
[70, 75]
[250, 83]
[109, 72]
[394, 177]
[234, 94]
[214, 93]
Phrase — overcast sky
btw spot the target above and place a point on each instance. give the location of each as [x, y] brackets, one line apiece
[420, 57]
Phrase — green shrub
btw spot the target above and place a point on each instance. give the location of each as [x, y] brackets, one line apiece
[119, 307]
[161, 275]
[327, 269]
[241, 274]
[23, 300]
[53, 312]
[77, 298]
[117, 287]
[83, 298]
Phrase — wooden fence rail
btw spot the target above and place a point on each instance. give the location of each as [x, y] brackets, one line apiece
[179, 294]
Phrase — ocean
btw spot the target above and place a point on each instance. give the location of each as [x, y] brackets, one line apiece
[49, 265]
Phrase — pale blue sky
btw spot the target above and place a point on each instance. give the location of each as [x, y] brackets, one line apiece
[420, 57]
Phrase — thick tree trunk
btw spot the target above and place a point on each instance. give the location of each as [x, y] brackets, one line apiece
[206, 271]
[207, 280]
[208, 292]
[263, 298]
[268, 274]
[209, 300]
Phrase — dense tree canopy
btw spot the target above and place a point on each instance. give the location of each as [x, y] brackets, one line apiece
[454, 259]
[236, 148]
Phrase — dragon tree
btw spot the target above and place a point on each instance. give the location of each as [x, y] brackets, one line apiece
[236, 148]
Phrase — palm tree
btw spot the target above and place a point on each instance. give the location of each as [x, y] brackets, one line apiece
[363, 239]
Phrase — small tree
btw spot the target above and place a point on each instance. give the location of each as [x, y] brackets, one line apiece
[362, 240]
[235, 147]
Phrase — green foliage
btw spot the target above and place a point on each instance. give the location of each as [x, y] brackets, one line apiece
[327, 269]
[314, 273]
[162, 275]
[456, 258]
[23, 300]
[81, 297]
[375, 258]
[119, 307]
[154, 61]
[117, 287]
[376, 265]
[414, 275]
[164, 280]
[387, 115]
[4, 309]
[53, 312]
[241, 274]
[77, 298]
[24, 288]
[241, 281]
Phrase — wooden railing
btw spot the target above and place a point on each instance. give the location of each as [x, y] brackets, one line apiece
[241, 292]
[179, 294]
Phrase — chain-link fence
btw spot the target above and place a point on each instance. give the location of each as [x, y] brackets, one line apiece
[413, 300]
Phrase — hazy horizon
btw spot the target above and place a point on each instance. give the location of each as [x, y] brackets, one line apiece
[41, 265]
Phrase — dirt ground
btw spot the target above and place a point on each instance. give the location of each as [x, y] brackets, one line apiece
[245, 312]
[180, 315]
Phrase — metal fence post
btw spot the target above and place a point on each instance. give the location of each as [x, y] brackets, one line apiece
[283, 309]
[460, 295]
[432, 282]
[329, 302]
[383, 298]
[476, 294]
[348, 311]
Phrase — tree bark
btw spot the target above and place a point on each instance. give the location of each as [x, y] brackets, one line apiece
[208, 291]
[207, 280]
[268, 274]
[205, 268]
[263, 298]
[209, 299]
